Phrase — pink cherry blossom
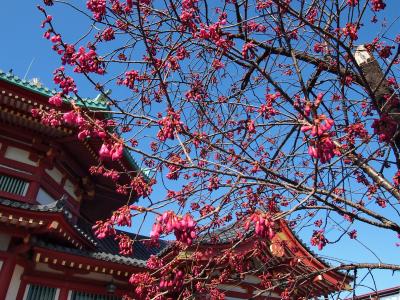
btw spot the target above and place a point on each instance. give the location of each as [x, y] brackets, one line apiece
[56, 100]
[318, 239]
[98, 7]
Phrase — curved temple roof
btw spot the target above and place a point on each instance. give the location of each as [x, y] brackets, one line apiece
[234, 233]
[103, 249]
[98, 103]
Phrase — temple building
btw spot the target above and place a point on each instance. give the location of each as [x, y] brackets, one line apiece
[392, 293]
[49, 202]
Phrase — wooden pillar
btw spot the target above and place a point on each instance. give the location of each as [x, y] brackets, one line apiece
[63, 293]
[21, 291]
[6, 275]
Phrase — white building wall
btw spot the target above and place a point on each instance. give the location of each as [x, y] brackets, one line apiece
[70, 189]
[55, 174]
[20, 155]
[15, 283]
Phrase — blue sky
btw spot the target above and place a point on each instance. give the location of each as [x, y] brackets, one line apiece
[25, 52]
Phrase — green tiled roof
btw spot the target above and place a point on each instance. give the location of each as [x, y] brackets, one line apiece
[98, 103]
[133, 163]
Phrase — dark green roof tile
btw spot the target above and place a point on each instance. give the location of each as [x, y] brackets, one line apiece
[96, 104]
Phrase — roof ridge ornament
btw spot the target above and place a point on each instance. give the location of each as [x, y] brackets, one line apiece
[36, 82]
[60, 203]
[103, 96]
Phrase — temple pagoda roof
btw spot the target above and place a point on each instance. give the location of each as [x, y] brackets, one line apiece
[107, 250]
[100, 249]
[56, 207]
[102, 255]
[237, 234]
[236, 231]
[380, 294]
[97, 103]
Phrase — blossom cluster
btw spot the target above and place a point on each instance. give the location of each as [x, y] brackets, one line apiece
[252, 26]
[141, 187]
[170, 125]
[385, 128]
[108, 34]
[106, 228]
[248, 47]
[144, 284]
[267, 109]
[103, 229]
[188, 15]
[197, 91]
[214, 33]
[321, 125]
[184, 228]
[125, 244]
[175, 165]
[122, 216]
[154, 262]
[351, 31]
[87, 62]
[321, 146]
[66, 83]
[173, 282]
[356, 130]
[264, 225]
[378, 5]
[98, 8]
[113, 151]
[318, 239]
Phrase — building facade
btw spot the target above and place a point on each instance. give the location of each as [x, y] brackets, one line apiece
[49, 202]
[386, 294]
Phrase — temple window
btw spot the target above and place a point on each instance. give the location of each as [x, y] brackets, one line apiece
[85, 296]
[40, 292]
[44, 198]
[13, 185]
